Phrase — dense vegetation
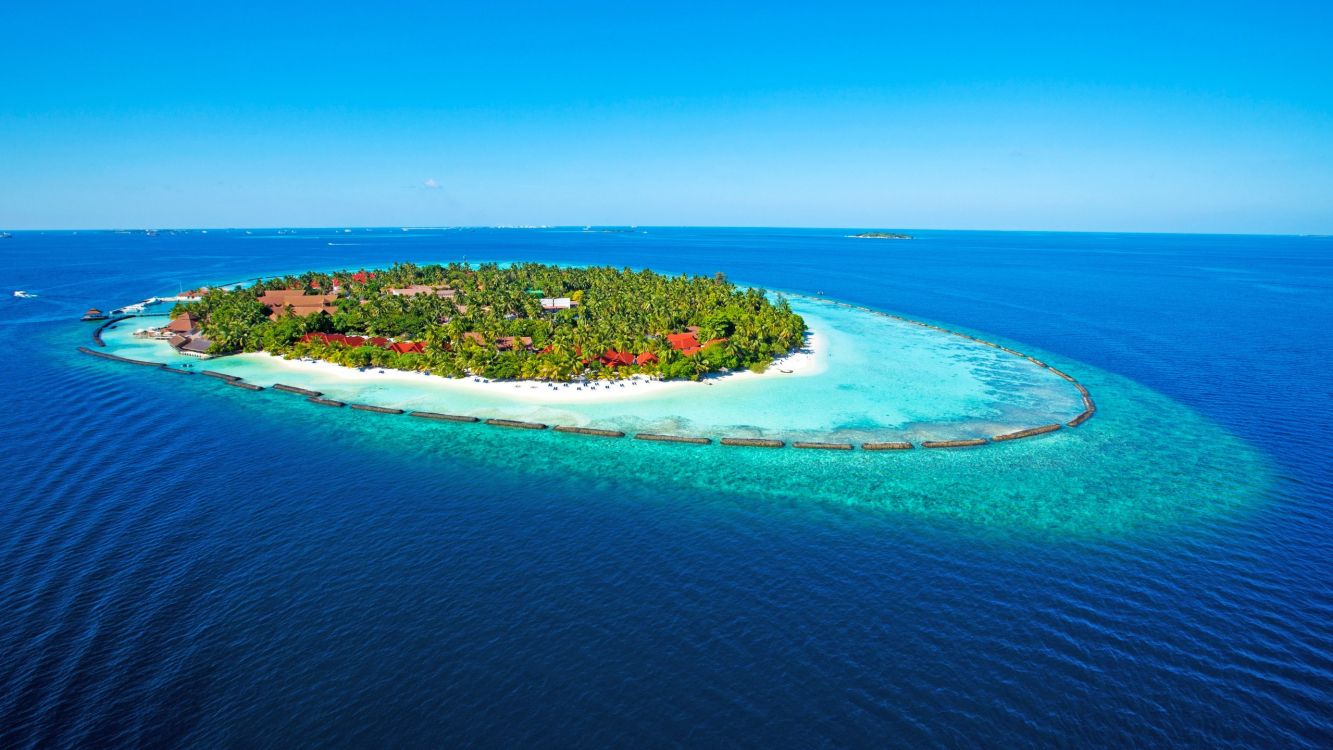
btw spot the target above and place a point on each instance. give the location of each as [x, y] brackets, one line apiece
[615, 310]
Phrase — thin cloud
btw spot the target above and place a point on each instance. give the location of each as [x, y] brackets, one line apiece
[431, 184]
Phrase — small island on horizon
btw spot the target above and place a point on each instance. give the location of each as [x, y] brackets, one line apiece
[525, 321]
[880, 236]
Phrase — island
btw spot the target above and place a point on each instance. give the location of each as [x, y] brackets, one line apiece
[881, 236]
[525, 321]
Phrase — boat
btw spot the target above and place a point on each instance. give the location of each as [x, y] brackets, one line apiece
[94, 314]
[6, 236]
[23, 294]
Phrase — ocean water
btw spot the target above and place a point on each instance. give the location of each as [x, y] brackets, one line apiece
[188, 564]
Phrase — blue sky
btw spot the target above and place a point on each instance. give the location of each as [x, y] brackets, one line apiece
[1213, 117]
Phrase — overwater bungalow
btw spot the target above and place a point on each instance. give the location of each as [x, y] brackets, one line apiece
[94, 314]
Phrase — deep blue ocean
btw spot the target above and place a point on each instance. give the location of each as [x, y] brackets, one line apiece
[188, 565]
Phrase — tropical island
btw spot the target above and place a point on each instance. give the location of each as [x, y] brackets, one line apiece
[881, 236]
[524, 321]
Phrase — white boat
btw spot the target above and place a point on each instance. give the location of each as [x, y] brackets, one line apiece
[23, 294]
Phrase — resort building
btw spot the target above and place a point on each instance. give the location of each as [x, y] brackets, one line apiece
[551, 304]
[415, 289]
[279, 301]
[687, 343]
[613, 358]
[185, 336]
[184, 324]
[193, 346]
[379, 342]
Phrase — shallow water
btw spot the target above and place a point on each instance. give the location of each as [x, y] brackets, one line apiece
[190, 563]
[875, 378]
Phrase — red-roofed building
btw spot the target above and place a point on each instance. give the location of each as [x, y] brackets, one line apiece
[379, 341]
[613, 358]
[185, 323]
[407, 347]
[646, 358]
[683, 341]
[706, 345]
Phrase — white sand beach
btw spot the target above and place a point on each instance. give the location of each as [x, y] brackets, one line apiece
[860, 376]
[807, 361]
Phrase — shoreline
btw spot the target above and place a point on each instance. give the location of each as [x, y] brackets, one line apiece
[809, 360]
[662, 407]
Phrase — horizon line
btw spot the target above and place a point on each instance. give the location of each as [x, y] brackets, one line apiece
[446, 227]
